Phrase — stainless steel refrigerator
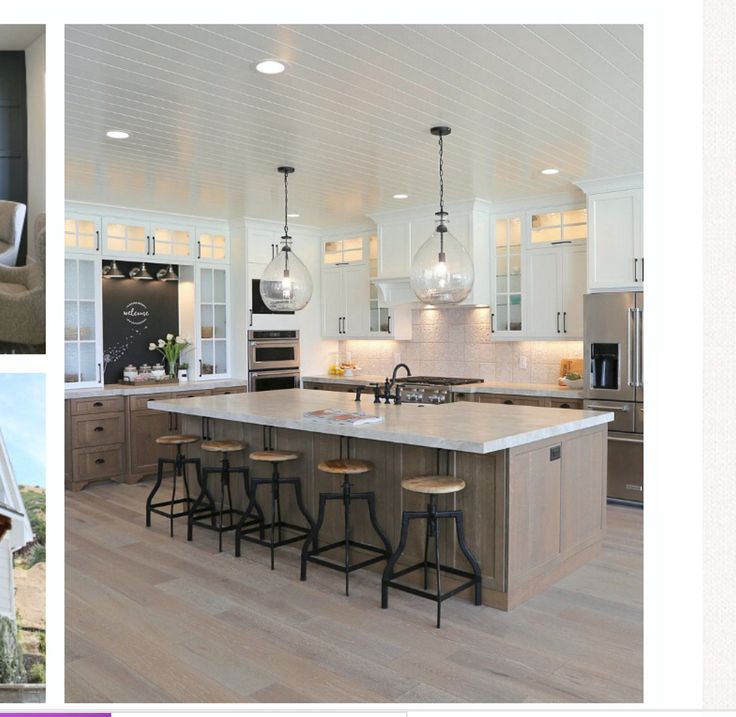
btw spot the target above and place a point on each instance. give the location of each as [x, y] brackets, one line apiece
[614, 381]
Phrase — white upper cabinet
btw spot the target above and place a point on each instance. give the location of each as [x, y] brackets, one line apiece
[556, 285]
[615, 251]
[147, 240]
[394, 249]
[212, 245]
[82, 234]
[341, 251]
[212, 322]
[507, 287]
[345, 301]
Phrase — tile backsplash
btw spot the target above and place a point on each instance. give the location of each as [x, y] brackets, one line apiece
[457, 342]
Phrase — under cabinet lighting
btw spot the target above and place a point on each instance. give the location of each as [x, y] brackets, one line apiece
[401, 196]
[117, 134]
[293, 216]
[140, 273]
[551, 170]
[111, 271]
[270, 67]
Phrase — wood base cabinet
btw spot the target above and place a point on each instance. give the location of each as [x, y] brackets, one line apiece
[114, 438]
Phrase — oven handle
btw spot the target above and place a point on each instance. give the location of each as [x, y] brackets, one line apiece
[271, 343]
[592, 407]
[274, 372]
[621, 439]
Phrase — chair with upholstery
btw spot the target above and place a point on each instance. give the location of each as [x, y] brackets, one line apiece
[12, 216]
[23, 296]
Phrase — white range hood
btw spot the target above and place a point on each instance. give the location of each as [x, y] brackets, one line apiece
[396, 291]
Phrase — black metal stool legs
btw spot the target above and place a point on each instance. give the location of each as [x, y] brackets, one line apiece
[432, 515]
[179, 469]
[276, 537]
[347, 497]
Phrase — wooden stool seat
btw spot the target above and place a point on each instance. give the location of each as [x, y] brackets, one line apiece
[345, 466]
[222, 446]
[433, 485]
[273, 456]
[177, 439]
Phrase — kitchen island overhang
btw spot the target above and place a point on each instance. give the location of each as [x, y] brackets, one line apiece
[535, 493]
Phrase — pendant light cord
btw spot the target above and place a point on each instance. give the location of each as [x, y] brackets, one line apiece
[286, 205]
[442, 228]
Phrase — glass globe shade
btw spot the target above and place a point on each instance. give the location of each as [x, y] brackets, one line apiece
[286, 284]
[441, 274]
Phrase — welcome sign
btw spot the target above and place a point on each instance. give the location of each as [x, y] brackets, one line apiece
[134, 313]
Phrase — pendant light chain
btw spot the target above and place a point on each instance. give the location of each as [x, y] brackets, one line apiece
[286, 205]
[441, 228]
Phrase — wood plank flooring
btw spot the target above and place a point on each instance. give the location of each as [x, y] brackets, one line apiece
[155, 619]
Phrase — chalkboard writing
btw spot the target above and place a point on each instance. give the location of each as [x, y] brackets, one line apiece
[134, 313]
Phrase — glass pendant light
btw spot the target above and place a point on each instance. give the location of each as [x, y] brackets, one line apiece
[442, 270]
[286, 284]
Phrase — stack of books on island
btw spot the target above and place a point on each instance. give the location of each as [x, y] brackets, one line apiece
[334, 415]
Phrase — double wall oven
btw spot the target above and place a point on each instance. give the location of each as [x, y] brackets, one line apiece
[273, 360]
[614, 381]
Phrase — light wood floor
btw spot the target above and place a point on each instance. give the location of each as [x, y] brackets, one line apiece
[151, 619]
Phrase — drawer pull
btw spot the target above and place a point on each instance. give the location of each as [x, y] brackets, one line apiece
[508, 402]
[99, 461]
[564, 405]
[98, 404]
[99, 429]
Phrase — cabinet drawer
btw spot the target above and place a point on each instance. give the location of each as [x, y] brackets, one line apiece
[83, 406]
[96, 464]
[140, 403]
[192, 394]
[225, 391]
[102, 430]
[566, 402]
[510, 400]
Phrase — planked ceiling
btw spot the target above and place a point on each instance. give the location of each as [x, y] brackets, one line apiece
[351, 113]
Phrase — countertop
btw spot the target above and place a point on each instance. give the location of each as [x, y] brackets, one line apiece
[461, 426]
[501, 387]
[118, 389]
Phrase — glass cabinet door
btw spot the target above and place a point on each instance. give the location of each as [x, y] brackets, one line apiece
[344, 251]
[379, 316]
[559, 227]
[82, 305]
[213, 324]
[82, 234]
[126, 238]
[211, 246]
[167, 242]
[507, 306]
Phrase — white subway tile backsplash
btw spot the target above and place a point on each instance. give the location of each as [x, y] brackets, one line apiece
[458, 342]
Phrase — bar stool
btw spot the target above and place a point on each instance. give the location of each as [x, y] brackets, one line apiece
[243, 532]
[432, 485]
[209, 516]
[179, 463]
[345, 467]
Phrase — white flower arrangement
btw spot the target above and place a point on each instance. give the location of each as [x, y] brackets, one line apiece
[170, 348]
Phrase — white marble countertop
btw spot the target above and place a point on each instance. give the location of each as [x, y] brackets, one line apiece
[461, 426]
[118, 389]
[500, 387]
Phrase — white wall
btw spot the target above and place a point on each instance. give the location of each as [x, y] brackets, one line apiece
[36, 107]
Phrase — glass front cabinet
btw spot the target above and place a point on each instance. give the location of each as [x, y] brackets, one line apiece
[507, 308]
[83, 364]
[213, 344]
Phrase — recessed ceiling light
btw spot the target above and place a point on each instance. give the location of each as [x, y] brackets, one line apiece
[293, 216]
[117, 134]
[551, 170]
[401, 196]
[270, 67]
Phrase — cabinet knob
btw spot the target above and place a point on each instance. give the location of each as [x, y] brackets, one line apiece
[99, 461]
[564, 405]
[97, 404]
[508, 402]
[99, 429]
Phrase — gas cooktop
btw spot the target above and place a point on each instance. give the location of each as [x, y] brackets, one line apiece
[437, 380]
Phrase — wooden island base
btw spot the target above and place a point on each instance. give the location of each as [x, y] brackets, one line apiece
[532, 513]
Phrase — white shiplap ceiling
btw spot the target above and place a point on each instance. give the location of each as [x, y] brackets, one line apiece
[351, 113]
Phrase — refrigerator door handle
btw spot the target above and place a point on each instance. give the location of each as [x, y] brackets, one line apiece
[639, 380]
[629, 347]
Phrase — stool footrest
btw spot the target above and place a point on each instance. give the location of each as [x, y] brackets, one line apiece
[300, 529]
[473, 580]
[202, 515]
[313, 556]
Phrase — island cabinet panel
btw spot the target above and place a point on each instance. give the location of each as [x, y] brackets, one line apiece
[556, 509]
[144, 427]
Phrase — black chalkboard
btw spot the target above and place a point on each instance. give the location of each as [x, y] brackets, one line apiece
[134, 313]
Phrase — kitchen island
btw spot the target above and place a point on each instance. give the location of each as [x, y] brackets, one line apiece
[535, 495]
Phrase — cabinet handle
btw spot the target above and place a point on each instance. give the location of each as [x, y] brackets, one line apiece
[564, 322]
[99, 461]
[564, 405]
[636, 267]
[200, 367]
[99, 429]
[153, 240]
[148, 245]
[97, 404]
[170, 426]
[493, 327]
[642, 268]
[97, 234]
[508, 402]
[562, 241]
[250, 311]
[558, 322]
[388, 324]
[199, 249]
[99, 373]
